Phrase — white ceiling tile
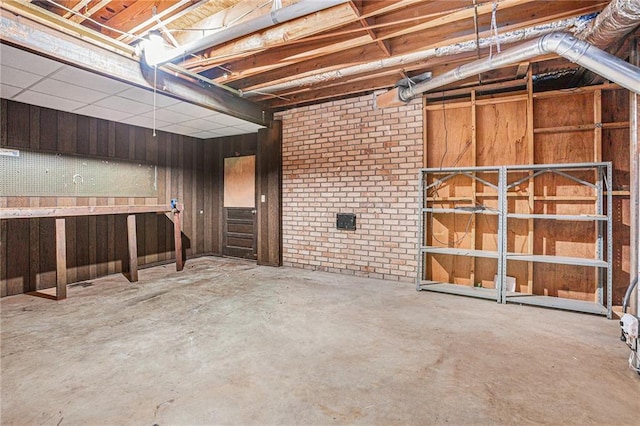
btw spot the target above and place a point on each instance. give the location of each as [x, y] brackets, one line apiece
[192, 110]
[67, 91]
[18, 78]
[47, 101]
[230, 131]
[104, 113]
[8, 92]
[250, 127]
[124, 105]
[177, 128]
[146, 96]
[90, 80]
[227, 120]
[209, 135]
[201, 124]
[144, 122]
[26, 61]
[169, 116]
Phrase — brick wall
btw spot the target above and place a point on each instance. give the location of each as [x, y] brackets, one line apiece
[346, 156]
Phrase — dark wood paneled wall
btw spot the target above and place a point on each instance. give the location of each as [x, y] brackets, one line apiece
[269, 189]
[189, 169]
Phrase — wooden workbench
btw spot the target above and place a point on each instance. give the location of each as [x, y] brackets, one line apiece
[60, 213]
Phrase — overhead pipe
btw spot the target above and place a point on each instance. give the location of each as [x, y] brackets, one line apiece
[616, 21]
[278, 16]
[564, 44]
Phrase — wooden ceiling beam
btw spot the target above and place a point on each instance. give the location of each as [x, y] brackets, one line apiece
[90, 11]
[456, 32]
[175, 11]
[254, 65]
[135, 14]
[76, 8]
[324, 20]
[366, 24]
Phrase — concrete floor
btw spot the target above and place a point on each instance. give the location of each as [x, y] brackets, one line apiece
[228, 342]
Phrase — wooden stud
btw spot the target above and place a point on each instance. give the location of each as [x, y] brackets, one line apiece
[530, 187]
[474, 185]
[61, 259]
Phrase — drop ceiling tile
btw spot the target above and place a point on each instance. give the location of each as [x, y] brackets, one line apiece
[192, 110]
[249, 127]
[26, 61]
[177, 128]
[202, 125]
[144, 122]
[7, 91]
[146, 96]
[227, 120]
[18, 78]
[90, 80]
[104, 113]
[47, 101]
[208, 135]
[124, 105]
[230, 131]
[67, 91]
[168, 116]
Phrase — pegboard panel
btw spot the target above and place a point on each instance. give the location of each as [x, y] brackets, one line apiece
[38, 174]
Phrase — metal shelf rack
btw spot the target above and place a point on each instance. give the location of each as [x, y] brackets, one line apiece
[432, 178]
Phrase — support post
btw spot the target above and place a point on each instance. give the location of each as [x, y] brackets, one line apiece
[177, 235]
[61, 259]
[133, 248]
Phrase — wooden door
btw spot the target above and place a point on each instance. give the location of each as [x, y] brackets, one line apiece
[239, 237]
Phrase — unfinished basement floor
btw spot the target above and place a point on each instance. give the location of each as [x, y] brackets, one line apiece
[229, 342]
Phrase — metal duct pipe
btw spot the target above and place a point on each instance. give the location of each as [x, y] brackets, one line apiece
[563, 44]
[297, 10]
[423, 55]
[613, 23]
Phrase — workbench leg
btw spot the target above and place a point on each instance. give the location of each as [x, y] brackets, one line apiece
[133, 248]
[177, 235]
[61, 259]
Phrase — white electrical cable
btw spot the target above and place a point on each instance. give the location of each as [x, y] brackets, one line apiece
[494, 29]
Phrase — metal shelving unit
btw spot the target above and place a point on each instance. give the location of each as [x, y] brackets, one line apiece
[440, 176]
[432, 178]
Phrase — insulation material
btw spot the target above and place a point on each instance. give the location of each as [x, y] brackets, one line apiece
[618, 19]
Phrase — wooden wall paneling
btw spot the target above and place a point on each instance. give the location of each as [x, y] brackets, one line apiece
[150, 255]
[48, 138]
[269, 156]
[3, 257]
[93, 201]
[164, 180]
[34, 224]
[17, 252]
[189, 239]
[198, 196]
[83, 243]
[47, 249]
[18, 125]
[102, 142]
[4, 122]
[67, 131]
[563, 109]
[217, 197]
[208, 204]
